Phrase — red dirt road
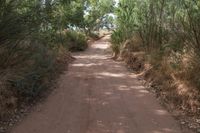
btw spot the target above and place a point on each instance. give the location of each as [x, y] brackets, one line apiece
[98, 95]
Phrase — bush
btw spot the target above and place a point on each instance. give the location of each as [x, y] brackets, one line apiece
[94, 36]
[116, 40]
[8, 101]
[30, 64]
[75, 41]
[190, 66]
[30, 43]
[26, 70]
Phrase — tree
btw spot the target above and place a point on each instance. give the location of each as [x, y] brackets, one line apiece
[97, 14]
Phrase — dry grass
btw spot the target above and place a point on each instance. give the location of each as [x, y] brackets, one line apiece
[8, 100]
[173, 76]
[134, 61]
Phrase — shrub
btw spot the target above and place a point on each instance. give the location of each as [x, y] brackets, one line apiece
[190, 66]
[94, 36]
[26, 70]
[8, 100]
[29, 64]
[116, 40]
[30, 43]
[75, 41]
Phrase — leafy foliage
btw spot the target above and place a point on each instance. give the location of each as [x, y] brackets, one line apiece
[159, 23]
[170, 34]
[76, 41]
[31, 36]
[97, 14]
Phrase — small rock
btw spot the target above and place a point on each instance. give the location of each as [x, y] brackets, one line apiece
[183, 122]
[17, 117]
[198, 120]
[38, 110]
[10, 124]
[1, 129]
[22, 111]
[192, 126]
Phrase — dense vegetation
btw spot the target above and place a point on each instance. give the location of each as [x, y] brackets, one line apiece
[35, 39]
[161, 37]
[166, 35]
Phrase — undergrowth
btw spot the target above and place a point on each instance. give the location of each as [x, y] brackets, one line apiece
[28, 68]
[172, 73]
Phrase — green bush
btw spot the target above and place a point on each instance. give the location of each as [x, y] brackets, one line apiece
[31, 38]
[116, 40]
[31, 65]
[75, 41]
[94, 36]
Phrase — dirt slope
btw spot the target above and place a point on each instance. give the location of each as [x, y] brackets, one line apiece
[98, 95]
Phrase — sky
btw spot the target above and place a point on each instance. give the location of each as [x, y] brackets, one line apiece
[117, 1]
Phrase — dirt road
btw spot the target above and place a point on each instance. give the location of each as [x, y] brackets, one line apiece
[98, 95]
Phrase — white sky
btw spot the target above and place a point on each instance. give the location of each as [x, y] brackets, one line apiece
[117, 1]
